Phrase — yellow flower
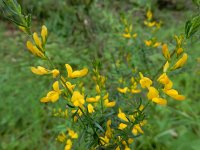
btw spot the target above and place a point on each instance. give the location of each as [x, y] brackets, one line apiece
[72, 134]
[44, 34]
[130, 140]
[145, 82]
[93, 99]
[109, 104]
[166, 66]
[153, 93]
[68, 145]
[90, 108]
[118, 148]
[165, 51]
[61, 137]
[106, 96]
[77, 99]
[148, 42]
[180, 62]
[42, 71]
[135, 91]
[123, 90]
[122, 116]
[70, 86]
[122, 126]
[108, 129]
[179, 51]
[126, 35]
[34, 50]
[37, 41]
[75, 74]
[174, 94]
[150, 24]
[134, 35]
[137, 130]
[53, 95]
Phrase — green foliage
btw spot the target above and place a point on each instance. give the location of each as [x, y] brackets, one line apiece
[192, 26]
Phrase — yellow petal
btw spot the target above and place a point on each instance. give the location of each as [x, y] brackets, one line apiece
[166, 66]
[37, 40]
[123, 90]
[70, 86]
[122, 116]
[72, 134]
[180, 62]
[98, 89]
[153, 93]
[79, 73]
[160, 101]
[69, 70]
[109, 104]
[56, 86]
[165, 51]
[39, 70]
[174, 94]
[163, 79]
[68, 145]
[126, 35]
[55, 73]
[145, 82]
[77, 99]
[44, 33]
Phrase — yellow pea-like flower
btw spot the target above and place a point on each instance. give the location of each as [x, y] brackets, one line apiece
[123, 90]
[68, 145]
[39, 70]
[153, 93]
[122, 116]
[109, 104]
[53, 95]
[77, 99]
[55, 73]
[165, 51]
[180, 62]
[126, 35]
[174, 94]
[75, 74]
[70, 86]
[98, 89]
[93, 99]
[145, 82]
[61, 137]
[34, 50]
[72, 134]
[137, 130]
[179, 50]
[157, 44]
[122, 126]
[163, 79]
[90, 108]
[149, 15]
[148, 42]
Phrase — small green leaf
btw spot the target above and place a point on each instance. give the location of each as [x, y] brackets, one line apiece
[192, 26]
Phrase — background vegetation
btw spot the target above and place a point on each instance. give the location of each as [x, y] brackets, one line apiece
[81, 30]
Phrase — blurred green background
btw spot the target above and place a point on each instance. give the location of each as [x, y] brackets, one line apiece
[87, 29]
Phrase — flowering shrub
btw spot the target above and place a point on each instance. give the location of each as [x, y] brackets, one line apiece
[96, 116]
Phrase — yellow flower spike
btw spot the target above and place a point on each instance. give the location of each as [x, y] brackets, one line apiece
[153, 93]
[44, 34]
[174, 94]
[39, 70]
[165, 51]
[90, 108]
[68, 145]
[163, 79]
[98, 89]
[122, 126]
[93, 99]
[148, 42]
[166, 66]
[75, 74]
[122, 116]
[52, 96]
[126, 35]
[37, 40]
[72, 134]
[159, 101]
[180, 62]
[55, 73]
[109, 104]
[70, 86]
[145, 82]
[77, 99]
[123, 90]
[179, 51]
